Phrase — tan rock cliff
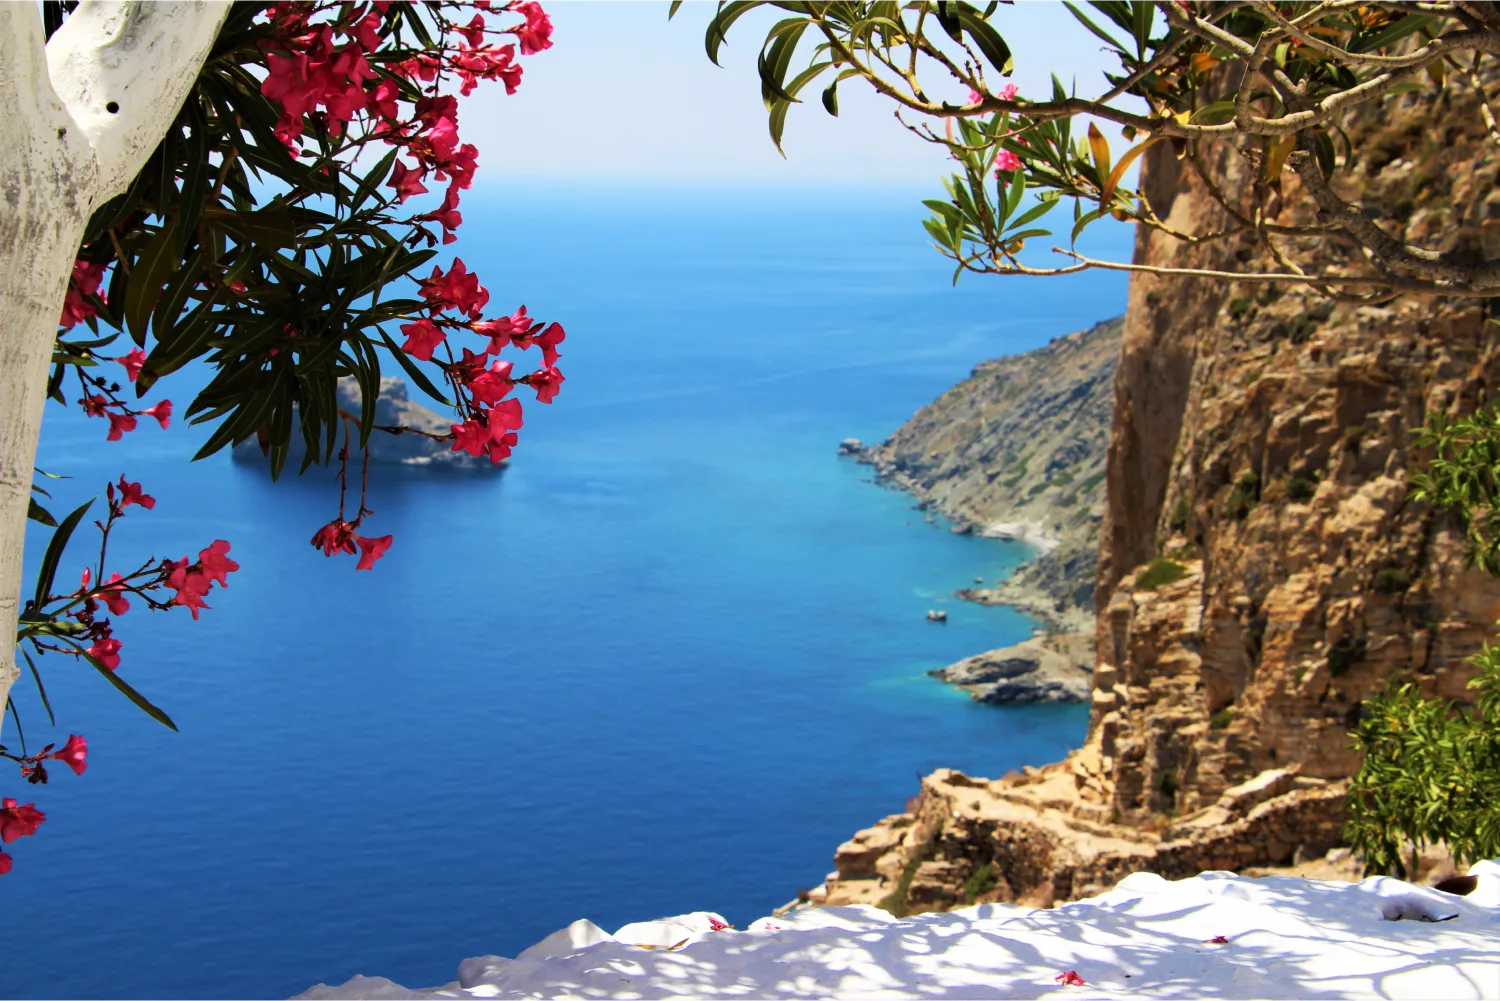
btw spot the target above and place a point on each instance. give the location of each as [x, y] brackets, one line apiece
[1262, 444]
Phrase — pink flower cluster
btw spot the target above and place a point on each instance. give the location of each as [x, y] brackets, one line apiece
[189, 582]
[492, 419]
[83, 282]
[338, 537]
[19, 820]
[323, 74]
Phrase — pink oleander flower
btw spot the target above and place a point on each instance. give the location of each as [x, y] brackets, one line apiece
[459, 288]
[371, 550]
[161, 411]
[216, 564]
[130, 493]
[74, 754]
[18, 821]
[84, 281]
[118, 425]
[112, 594]
[422, 338]
[107, 652]
[491, 385]
[548, 340]
[537, 33]
[505, 330]
[1005, 160]
[547, 382]
[190, 585]
[505, 414]
[132, 360]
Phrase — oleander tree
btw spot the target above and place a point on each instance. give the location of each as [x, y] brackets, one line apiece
[1271, 81]
[239, 183]
[1431, 767]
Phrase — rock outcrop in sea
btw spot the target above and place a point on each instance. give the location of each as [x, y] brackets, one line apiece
[393, 408]
[1262, 566]
[1041, 669]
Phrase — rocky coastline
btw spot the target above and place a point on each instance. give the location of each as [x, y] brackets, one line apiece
[1016, 451]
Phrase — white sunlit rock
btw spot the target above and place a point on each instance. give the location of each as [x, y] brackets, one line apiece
[1215, 935]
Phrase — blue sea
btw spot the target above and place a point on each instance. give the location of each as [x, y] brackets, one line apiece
[667, 661]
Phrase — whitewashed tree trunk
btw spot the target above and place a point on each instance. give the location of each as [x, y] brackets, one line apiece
[81, 114]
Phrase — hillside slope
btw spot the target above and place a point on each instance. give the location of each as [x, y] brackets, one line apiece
[1017, 450]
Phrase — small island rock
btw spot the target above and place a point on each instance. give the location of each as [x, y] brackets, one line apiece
[936, 615]
[392, 408]
[850, 446]
[1032, 671]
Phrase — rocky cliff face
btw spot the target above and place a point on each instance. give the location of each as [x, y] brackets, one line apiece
[1017, 450]
[1262, 568]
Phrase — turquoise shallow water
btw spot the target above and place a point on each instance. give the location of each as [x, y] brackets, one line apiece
[667, 662]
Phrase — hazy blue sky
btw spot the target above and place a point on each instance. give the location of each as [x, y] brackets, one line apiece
[625, 95]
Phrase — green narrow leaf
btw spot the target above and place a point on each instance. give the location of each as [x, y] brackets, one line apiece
[371, 181]
[672, 11]
[41, 689]
[10, 706]
[774, 61]
[38, 513]
[987, 38]
[1141, 16]
[156, 261]
[140, 700]
[1323, 149]
[831, 98]
[949, 20]
[1083, 19]
[718, 28]
[55, 548]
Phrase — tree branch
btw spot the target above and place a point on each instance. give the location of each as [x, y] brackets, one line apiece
[122, 70]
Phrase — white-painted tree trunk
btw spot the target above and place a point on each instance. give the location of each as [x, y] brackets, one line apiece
[81, 114]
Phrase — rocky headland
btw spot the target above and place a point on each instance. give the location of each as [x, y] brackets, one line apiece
[1047, 668]
[1262, 568]
[393, 408]
[1017, 451]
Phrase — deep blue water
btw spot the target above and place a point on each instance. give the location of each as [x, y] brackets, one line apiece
[668, 662]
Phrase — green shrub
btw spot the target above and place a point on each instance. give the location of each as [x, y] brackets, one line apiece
[1091, 482]
[981, 882]
[1392, 580]
[1221, 719]
[1300, 489]
[1345, 654]
[1239, 307]
[1166, 782]
[1063, 478]
[1161, 571]
[1431, 772]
